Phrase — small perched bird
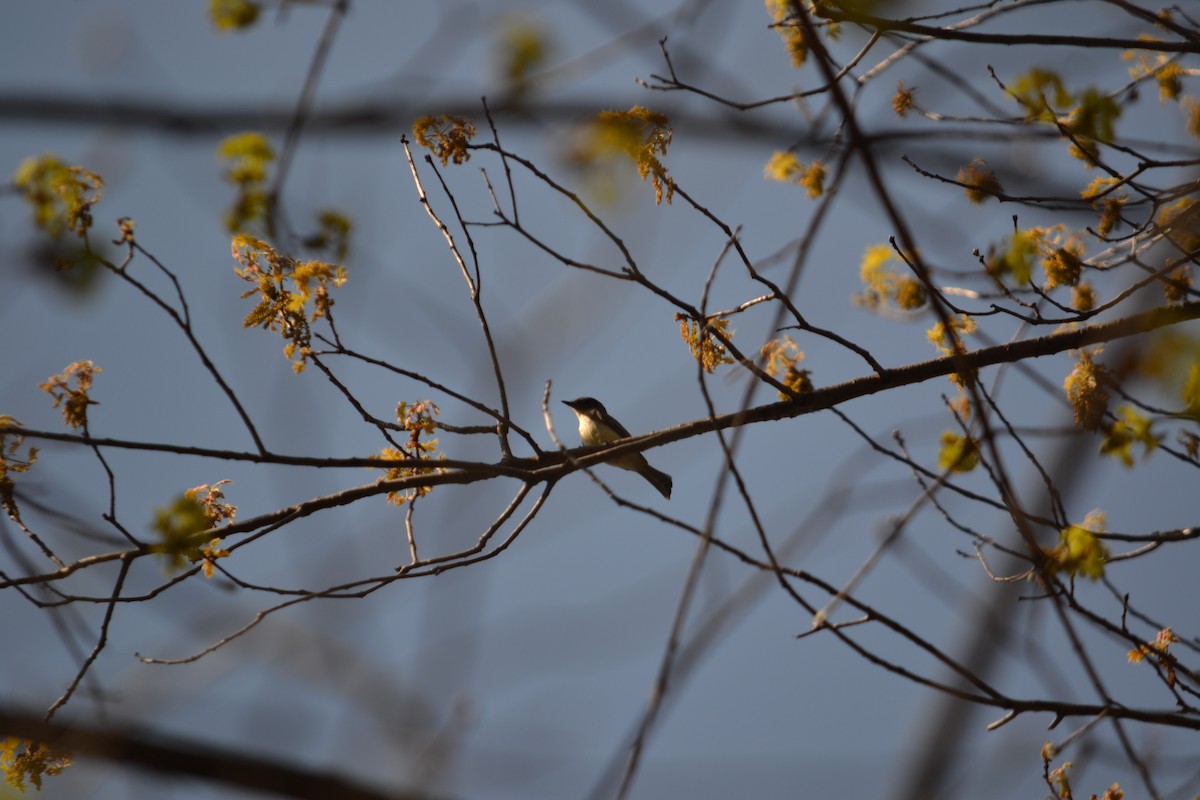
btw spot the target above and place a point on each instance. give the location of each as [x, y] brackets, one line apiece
[597, 426]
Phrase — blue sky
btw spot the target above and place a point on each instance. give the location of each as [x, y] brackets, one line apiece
[523, 676]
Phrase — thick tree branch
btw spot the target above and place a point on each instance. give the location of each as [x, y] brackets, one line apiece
[176, 756]
[552, 466]
[1029, 39]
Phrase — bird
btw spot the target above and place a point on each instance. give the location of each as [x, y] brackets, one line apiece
[597, 426]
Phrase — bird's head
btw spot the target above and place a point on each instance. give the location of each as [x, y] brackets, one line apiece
[585, 405]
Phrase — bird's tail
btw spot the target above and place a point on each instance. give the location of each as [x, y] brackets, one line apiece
[660, 480]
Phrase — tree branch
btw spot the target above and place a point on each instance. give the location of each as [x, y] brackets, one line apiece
[176, 756]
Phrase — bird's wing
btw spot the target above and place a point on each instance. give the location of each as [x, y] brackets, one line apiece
[618, 427]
